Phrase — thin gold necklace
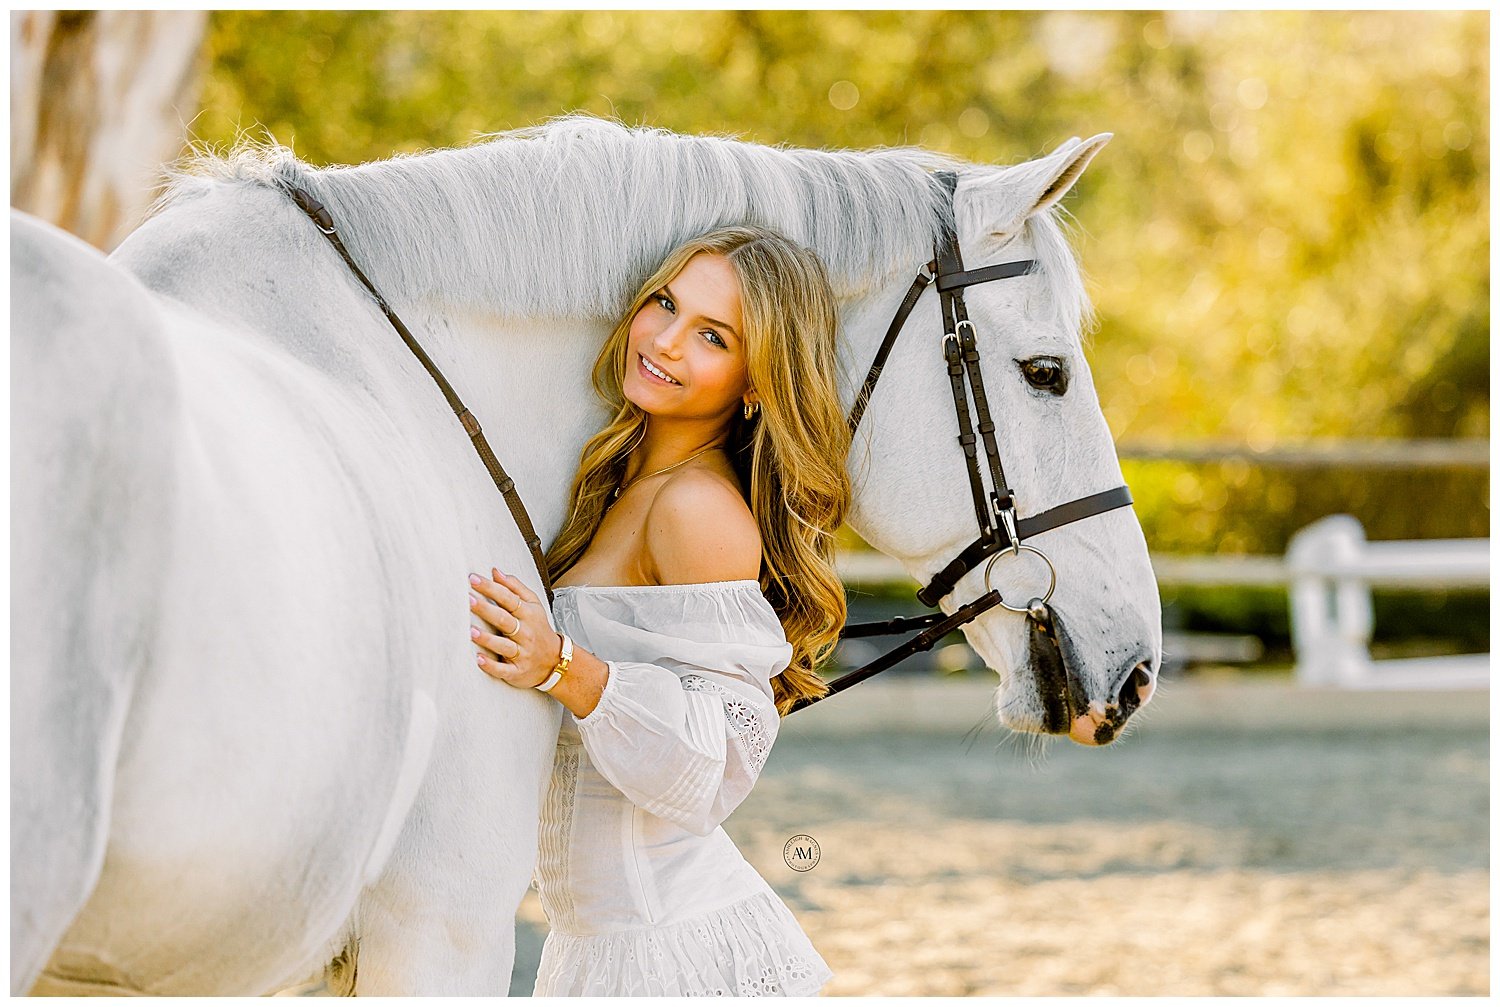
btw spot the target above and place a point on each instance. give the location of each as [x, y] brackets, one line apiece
[648, 475]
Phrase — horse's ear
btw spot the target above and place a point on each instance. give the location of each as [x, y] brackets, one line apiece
[1000, 203]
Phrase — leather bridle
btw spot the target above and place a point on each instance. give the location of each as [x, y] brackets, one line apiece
[1001, 532]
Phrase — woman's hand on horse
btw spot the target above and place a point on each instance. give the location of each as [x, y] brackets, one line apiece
[518, 644]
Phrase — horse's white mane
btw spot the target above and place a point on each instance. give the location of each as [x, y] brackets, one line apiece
[512, 225]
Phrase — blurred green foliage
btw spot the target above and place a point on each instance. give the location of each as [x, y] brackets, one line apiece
[1407, 623]
[1287, 238]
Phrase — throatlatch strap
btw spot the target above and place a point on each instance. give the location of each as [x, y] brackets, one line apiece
[507, 487]
[913, 294]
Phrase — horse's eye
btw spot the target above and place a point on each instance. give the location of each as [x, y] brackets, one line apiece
[1047, 374]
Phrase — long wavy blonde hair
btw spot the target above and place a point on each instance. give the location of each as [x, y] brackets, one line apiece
[790, 456]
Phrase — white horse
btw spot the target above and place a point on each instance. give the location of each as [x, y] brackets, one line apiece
[249, 743]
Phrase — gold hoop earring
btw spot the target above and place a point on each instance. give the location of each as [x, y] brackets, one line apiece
[750, 409]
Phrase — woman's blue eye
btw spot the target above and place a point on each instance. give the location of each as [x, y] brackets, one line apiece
[667, 303]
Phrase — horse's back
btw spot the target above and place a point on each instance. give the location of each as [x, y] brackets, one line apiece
[92, 397]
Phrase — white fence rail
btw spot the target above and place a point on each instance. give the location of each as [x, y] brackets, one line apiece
[1332, 569]
[1329, 572]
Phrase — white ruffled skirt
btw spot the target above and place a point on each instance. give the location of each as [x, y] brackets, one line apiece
[753, 947]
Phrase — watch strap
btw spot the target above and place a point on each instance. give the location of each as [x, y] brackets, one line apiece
[561, 667]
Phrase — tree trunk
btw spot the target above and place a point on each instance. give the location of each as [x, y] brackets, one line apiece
[99, 101]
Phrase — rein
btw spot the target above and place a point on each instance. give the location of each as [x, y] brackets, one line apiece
[1000, 531]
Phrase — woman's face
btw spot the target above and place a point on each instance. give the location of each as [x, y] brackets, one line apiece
[690, 329]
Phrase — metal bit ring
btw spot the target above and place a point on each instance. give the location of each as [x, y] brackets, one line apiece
[1051, 573]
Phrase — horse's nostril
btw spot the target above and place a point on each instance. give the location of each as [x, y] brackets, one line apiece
[1137, 688]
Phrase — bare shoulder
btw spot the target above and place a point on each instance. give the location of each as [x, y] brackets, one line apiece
[700, 529]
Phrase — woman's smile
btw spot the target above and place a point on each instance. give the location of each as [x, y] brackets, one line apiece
[654, 373]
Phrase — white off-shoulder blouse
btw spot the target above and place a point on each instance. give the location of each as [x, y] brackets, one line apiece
[644, 892]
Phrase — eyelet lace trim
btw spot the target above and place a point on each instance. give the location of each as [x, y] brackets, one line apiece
[744, 721]
[751, 948]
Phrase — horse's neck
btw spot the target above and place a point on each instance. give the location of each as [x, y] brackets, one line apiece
[527, 382]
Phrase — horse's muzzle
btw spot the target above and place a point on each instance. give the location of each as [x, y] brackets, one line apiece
[1066, 706]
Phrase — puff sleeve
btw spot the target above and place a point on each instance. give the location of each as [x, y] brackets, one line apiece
[684, 729]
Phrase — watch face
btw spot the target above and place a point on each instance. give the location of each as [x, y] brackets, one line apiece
[802, 853]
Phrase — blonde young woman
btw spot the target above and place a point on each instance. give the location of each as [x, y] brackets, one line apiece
[696, 594]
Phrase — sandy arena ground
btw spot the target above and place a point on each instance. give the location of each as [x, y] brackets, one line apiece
[1242, 839]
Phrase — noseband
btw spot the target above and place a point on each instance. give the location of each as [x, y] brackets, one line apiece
[1000, 531]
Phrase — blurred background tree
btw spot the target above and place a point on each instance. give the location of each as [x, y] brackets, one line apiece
[1287, 239]
[96, 105]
